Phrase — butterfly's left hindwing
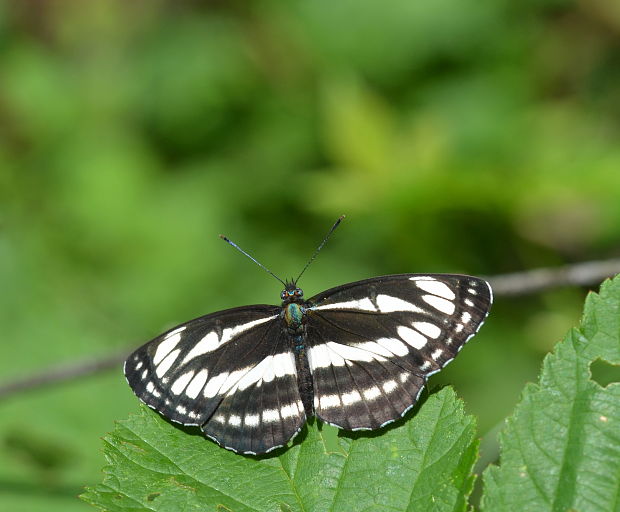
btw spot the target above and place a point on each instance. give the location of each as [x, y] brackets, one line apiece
[232, 373]
[372, 344]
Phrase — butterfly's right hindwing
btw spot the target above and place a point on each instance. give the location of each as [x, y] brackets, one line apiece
[232, 373]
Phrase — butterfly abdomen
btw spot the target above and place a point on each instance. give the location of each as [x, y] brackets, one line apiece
[304, 377]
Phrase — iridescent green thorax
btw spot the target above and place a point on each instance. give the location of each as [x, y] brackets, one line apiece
[293, 315]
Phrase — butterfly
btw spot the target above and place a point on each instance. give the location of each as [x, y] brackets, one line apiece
[356, 356]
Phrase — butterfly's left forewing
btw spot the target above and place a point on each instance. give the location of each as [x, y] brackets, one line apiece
[372, 344]
[232, 373]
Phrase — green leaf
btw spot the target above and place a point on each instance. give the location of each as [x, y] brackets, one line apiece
[424, 463]
[560, 451]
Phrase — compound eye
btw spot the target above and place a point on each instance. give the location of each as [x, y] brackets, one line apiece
[283, 294]
[298, 292]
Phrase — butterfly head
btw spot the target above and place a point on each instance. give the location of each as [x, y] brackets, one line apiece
[292, 293]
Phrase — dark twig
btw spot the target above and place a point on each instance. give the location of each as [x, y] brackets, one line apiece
[62, 373]
[505, 285]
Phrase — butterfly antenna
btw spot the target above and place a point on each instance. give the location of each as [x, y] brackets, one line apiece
[318, 249]
[253, 259]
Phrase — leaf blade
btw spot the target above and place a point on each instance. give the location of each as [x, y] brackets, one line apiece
[560, 450]
[421, 464]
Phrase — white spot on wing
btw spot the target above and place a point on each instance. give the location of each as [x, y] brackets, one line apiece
[181, 409]
[320, 356]
[181, 382]
[328, 401]
[364, 304]
[351, 353]
[210, 341]
[197, 383]
[389, 386]
[165, 365]
[251, 420]
[371, 393]
[466, 317]
[422, 278]
[374, 347]
[395, 346]
[284, 364]
[139, 365]
[269, 371]
[207, 343]
[228, 334]
[232, 381]
[176, 331]
[167, 345]
[350, 398]
[413, 338]
[150, 387]
[437, 354]
[425, 366]
[270, 367]
[214, 384]
[288, 411]
[234, 420]
[389, 304]
[271, 415]
[254, 375]
[431, 285]
[427, 329]
[440, 304]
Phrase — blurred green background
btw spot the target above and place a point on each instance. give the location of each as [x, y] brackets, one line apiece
[457, 135]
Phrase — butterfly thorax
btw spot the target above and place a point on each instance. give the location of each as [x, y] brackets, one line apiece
[294, 316]
[294, 310]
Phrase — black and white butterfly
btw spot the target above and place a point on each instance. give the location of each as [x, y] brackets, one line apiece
[356, 356]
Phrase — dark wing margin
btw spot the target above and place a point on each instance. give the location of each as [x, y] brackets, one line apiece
[231, 373]
[373, 343]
